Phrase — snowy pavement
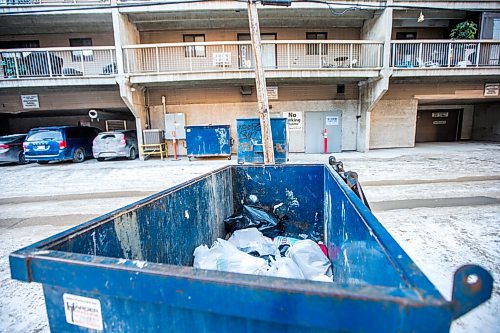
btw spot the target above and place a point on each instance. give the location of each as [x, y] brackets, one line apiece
[439, 201]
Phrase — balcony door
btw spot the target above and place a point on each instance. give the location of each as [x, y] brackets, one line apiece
[268, 52]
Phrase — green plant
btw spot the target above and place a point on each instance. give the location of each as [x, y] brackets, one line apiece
[464, 30]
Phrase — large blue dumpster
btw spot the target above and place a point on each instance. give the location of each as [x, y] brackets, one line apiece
[129, 270]
[208, 140]
[250, 148]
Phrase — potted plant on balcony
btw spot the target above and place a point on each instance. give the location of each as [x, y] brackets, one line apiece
[464, 30]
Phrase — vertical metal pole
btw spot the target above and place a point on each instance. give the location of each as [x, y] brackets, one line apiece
[350, 55]
[260, 83]
[449, 54]
[16, 65]
[478, 53]
[421, 64]
[83, 65]
[48, 63]
[157, 60]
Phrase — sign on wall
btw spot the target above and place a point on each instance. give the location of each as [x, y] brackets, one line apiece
[440, 115]
[332, 121]
[272, 93]
[294, 120]
[491, 89]
[30, 101]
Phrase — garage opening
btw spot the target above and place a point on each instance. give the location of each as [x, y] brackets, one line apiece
[438, 125]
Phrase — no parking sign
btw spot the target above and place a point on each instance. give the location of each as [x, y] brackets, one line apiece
[294, 120]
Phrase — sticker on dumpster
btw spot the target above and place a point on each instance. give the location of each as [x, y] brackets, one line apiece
[83, 311]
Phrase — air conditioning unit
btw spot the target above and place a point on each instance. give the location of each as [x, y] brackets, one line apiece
[152, 136]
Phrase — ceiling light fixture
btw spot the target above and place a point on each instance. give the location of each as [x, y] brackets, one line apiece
[421, 17]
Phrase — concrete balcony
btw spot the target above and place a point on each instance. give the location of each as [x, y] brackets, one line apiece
[410, 58]
[154, 63]
[57, 67]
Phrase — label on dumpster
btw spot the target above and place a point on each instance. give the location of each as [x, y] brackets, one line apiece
[83, 311]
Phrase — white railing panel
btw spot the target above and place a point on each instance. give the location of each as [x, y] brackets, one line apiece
[238, 56]
[445, 54]
[57, 62]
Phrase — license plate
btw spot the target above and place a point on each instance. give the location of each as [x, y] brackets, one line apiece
[41, 148]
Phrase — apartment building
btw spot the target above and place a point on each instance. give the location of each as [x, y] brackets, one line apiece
[375, 74]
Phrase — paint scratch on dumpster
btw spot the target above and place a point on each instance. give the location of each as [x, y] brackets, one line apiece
[127, 231]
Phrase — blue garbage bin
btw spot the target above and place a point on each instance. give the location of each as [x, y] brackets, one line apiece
[130, 270]
[250, 148]
[208, 141]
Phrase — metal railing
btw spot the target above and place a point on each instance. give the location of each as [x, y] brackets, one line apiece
[445, 53]
[57, 62]
[53, 2]
[237, 56]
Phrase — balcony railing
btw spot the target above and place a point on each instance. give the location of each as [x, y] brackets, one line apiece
[445, 54]
[53, 2]
[237, 56]
[57, 62]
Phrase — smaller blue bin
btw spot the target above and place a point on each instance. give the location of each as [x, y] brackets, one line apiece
[208, 141]
[250, 148]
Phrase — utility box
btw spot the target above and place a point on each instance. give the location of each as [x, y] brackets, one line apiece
[250, 147]
[130, 270]
[152, 137]
[208, 140]
[175, 123]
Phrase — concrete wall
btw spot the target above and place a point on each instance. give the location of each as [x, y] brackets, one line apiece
[393, 124]
[486, 122]
[62, 40]
[62, 99]
[150, 37]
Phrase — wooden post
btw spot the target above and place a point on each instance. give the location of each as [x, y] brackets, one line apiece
[260, 82]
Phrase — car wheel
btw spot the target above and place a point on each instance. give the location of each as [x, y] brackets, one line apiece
[79, 155]
[21, 159]
[131, 154]
[42, 162]
[100, 159]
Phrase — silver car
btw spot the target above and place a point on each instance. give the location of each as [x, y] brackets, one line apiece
[115, 144]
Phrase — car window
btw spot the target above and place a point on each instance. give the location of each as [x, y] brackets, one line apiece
[107, 136]
[45, 135]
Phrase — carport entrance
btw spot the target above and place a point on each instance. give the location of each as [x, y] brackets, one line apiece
[438, 125]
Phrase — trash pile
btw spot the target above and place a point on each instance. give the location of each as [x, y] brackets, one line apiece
[257, 246]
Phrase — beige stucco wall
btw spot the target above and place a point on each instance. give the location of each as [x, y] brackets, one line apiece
[227, 113]
[62, 40]
[150, 37]
[393, 124]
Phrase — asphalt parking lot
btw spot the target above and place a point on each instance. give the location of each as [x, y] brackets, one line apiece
[441, 202]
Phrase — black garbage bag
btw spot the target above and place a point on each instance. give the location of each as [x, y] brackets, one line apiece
[253, 217]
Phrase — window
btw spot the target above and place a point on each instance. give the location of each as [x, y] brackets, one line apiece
[88, 55]
[194, 51]
[313, 49]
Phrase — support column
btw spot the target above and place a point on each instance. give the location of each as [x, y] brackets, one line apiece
[125, 33]
[379, 28]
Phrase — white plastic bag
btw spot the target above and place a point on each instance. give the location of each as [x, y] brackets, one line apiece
[311, 260]
[224, 256]
[252, 240]
[285, 268]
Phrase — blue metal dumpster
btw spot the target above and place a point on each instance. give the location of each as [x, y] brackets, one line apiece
[250, 147]
[129, 270]
[208, 140]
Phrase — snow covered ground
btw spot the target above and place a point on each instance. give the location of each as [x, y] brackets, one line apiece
[439, 201]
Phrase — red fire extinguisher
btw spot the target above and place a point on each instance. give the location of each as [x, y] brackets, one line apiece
[325, 139]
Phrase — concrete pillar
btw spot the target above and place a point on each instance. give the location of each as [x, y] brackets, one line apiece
[125, 33]
[378, 28]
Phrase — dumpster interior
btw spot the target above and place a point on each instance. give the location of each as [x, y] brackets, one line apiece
[167, 227]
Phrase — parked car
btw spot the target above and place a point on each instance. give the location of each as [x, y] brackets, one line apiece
[11, 148]
[59, 143]
[115, 144]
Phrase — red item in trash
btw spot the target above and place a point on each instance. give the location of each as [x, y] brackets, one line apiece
[323, 248]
